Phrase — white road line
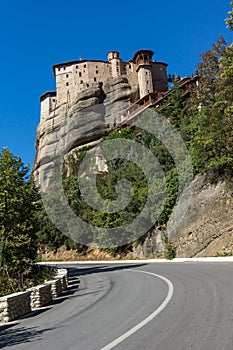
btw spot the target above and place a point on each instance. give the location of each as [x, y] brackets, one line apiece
[150, 317]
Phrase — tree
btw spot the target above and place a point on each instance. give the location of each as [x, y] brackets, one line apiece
[176, 110]
[229, 19]
[48, 234]
[208, 70]
[221, 113]
[18, 203]
[212, 125]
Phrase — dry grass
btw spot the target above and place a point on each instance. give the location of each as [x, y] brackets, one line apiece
[92, 253]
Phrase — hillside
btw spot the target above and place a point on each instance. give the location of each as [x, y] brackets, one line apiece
[202, 117]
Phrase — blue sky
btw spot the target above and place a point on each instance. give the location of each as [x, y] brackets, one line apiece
[37, 34]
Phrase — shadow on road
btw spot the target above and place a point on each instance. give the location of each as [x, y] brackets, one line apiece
[80, 271]
[11, 337]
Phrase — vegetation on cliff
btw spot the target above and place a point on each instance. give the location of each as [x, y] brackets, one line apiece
[229, 19]
[212, 124]
[205, 124]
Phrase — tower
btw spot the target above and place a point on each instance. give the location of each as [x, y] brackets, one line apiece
[142, 61]
[115, 60]
[47, 104]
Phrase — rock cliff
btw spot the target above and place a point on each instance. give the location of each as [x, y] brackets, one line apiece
[87, 119]
[207, 228]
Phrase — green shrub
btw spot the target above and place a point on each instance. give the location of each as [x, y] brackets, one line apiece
[170, 251]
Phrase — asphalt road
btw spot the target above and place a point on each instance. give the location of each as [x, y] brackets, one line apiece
[166, 307]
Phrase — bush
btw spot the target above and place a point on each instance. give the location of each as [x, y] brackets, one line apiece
[170, 251]
[32, 276]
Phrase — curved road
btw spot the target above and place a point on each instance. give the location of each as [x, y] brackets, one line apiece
[171, 306]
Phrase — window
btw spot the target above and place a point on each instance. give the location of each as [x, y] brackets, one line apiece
[97, 72]
[67, 75]
[80, 74]
[67, 84]
[85, 66]
[64, 68]
[81, 82]
[95, 79]
[59, 69]
[87, 85]
[76, 67]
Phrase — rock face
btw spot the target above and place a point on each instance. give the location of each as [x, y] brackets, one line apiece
[86, 120]
[207, 228]
[154, 245]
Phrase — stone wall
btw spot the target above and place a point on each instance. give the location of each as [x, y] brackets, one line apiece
[16, 305]
[62, 273]
[40, 295]
[56, 287]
